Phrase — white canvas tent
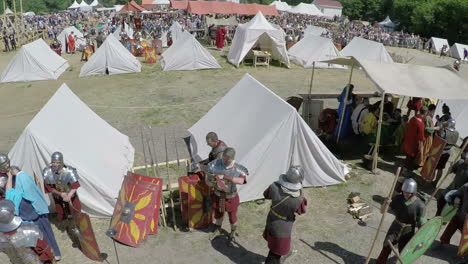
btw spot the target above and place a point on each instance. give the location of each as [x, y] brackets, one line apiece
[187, 54]
[164, 39]
[281, 6]
[258, 32]
[367, 50]
[459, 111]
[113, 57]
[30, 13]
[387, 23]
[75, 5]
[34, 62]
[8, 11]
[457, 51]
[95, 3]
[437, 44]
[314, 31]
[279, 138]
[128, 30]
[305, 9]
[63, 37]
[102, 156]
[176, 31]
[118, 7]
[314, 49]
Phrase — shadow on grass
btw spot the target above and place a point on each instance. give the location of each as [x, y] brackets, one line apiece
[324, 247]
[236, 253]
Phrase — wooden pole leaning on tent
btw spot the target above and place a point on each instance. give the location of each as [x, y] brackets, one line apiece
[386, 205]
[345, 102]
[169, 186]
[375, 155]
[441, 180]
[155, 166]
[309, 100]
[144, 153]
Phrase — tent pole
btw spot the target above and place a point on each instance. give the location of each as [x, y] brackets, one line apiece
[345, 101]
[310, 92]
[379, 132]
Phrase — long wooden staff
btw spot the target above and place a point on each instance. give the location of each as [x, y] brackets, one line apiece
[169, 184]
[156, 174]
[383, 215]
[144, 153]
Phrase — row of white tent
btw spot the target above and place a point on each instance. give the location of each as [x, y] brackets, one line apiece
[456, 51]
[84, 5]
[36, 61]
[281, 138]
[301, 9]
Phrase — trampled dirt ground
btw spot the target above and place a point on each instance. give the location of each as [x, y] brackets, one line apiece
[171, 102]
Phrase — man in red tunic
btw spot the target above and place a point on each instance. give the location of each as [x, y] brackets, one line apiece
[413, 142]
[220, 37]
[227, 174]
[62, 182]
[287, 200]
[71, 43]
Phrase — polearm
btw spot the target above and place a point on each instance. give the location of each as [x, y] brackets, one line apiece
[144, 154]
[156, 173]
[155, 155]
[441, 181]
[169, 184]
[383, 214]
[176, 150]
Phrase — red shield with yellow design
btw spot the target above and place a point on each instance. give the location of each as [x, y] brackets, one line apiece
[150, 55]
[184, 182]
[195, 201]
[463, 247]
[433, 156]
[159, 182]
[84, 233]
[134, 211]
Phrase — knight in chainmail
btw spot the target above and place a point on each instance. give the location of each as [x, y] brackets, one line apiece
[62, 181]
[287, 200]
[224, 174]
[409, 215]
[21, 241]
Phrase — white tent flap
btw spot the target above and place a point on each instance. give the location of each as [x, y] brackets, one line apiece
[314, 49]
[367, 49]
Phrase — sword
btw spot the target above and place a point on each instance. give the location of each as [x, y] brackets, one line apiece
[169, 183]
[144, 153]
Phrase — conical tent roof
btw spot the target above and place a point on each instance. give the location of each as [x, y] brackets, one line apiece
[8, 11]
[63, 37]
[95, 3]
[101, 158]
[314, 31]
[176, 31]
[83, 4]
[457, 51]
[74, 5]
[34, 62]
[387, 22]
[314, 49]
[187, 54]
[279, 138]
[281, 6]
[306, 9]
[113, 57]
[258, 31]
[367, 50]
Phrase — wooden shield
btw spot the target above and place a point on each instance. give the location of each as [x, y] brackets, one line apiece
[421, 241]
[198, 217]
[184, 182]
[85, 235]
[150, 55]
[463, 247]
[134, 211]
[427, 171]
[159, 183]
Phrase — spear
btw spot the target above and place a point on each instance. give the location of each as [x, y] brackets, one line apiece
[156, 172]
[169, 183]
[144, 153]
[176, 150]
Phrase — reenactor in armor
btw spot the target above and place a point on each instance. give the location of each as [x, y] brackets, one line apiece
[409, 214]
[451, 135]
[287, 200]
[21, 241]
[457, 198]
[62, 181]
[224, 174]
[217, 148]
[4, 168]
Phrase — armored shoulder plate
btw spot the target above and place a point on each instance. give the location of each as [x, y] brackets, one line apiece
[451, 137]
[69, 175]
[26, 235]
[242, 169]
[48, 175]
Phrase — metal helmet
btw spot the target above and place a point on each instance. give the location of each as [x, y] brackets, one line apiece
[58, 158]
[410, 186]
[293, 178]
[4, 163]
[451, 124]
[8, 220]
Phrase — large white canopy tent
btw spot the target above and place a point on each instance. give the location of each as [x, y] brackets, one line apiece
[34, 62]
[113, 58]
[408, 80]
[95, 3]
[280, 138]
[388, 24]
[305, 9]
[75, 5]
[258, 32]
[63, 37]
[281, 6]
[314, 49]
[437, 44]
[367, 50]
[314, 31]
[457, 51]
[8, 11]
[187, 54]
[102, 155]
[176, 31]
